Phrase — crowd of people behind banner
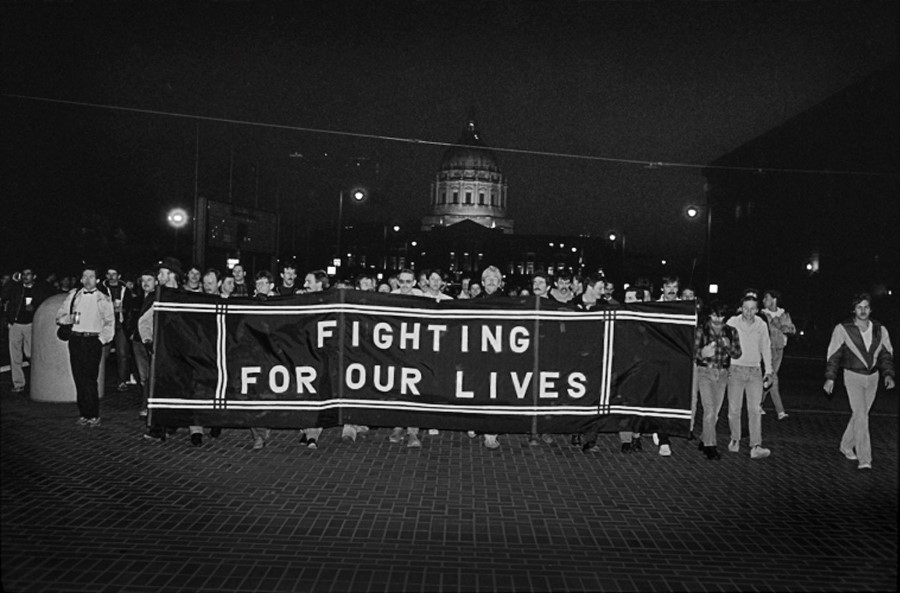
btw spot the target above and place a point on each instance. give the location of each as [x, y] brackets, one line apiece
[737, 350]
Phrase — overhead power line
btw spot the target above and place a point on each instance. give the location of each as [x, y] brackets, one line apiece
[650, 164]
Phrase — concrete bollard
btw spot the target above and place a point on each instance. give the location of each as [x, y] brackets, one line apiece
[51, 373]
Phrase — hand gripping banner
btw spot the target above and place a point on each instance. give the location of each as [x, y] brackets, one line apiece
[496, 365]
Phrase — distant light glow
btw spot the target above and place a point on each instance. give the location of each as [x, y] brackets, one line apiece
[177, 218]
[713, 289]
[331, 270]
[692, 211]
[231, 262]
[336, 262]
[396, 228]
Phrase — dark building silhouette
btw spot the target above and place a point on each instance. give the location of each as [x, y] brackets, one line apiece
[818, 237]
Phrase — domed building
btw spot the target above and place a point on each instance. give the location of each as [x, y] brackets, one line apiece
[469, 186]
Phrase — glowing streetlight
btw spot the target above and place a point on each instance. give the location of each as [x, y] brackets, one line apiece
[692, 211]
[178, 218]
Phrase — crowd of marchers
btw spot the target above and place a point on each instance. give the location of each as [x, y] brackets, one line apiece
[738, 347]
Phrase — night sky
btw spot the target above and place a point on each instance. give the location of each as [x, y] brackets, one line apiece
[649, 82]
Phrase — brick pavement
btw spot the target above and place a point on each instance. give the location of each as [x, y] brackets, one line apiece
[103, 510]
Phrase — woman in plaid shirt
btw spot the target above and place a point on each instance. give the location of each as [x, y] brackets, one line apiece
[715, 344]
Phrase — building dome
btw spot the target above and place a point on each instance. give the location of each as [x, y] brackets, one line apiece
[469, 185]
[473, 155]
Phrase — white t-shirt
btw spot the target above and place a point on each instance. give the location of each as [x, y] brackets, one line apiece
[867, 337]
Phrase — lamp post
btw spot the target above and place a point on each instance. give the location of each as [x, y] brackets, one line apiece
[693, 213]
[617, 237]
[358, 194]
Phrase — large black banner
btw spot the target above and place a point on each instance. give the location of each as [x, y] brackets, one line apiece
[499, 365]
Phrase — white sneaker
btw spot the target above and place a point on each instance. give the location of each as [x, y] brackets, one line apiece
[665, 450]
[433, 432]
[849, 455]
[734, 446]
[655, 439]
[490, 441]
[865, 466]
[396, 435]
[758, 452]
[471, 434]
[413, 441]
[782, 415]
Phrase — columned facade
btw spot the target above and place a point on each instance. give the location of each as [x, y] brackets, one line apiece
[469, 186]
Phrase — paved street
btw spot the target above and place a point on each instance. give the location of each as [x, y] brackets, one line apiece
[103, 510]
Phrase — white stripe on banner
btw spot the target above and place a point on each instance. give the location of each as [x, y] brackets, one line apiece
[313, 406]
[221, 362]
[531, 314]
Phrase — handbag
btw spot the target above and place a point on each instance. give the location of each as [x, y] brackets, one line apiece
[64, 331]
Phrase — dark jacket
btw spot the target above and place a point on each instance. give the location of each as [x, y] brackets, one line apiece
[129, 303]
[16, 303]
[847, 351]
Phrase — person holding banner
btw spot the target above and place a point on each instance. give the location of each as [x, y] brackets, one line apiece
[168, 274]
[407, 286]
[315, 281]
[491, 280]
[862, 347]
[715, 344]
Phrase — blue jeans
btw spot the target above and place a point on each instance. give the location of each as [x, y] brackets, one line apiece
[741, 379]
[712, 383]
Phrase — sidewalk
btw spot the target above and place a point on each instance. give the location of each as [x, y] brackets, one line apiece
[103, 510]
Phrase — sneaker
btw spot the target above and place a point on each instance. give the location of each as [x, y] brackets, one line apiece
[396, 435]
[665, 450]
[849, 455]
[471, 434]
[547, 438]
[258, 443]
[782, 415]
[123, 386]
[17, 390]
[82, 421]
[93, 422]
[636, 446]
[734, 446]
[433, 432]
[196, 439]
[312, 444]
[413, 441]
[758, 452]
[656, 439]
[591, 447]
[491, 442]
[215, 432]
[533, 441]
[865, 466]
[302, 437]
[626, 448]
[762, 412]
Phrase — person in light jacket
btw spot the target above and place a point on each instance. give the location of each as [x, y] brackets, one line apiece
[862, 347]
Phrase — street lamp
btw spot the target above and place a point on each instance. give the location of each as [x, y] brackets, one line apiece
[358, 195]
[177, 218]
